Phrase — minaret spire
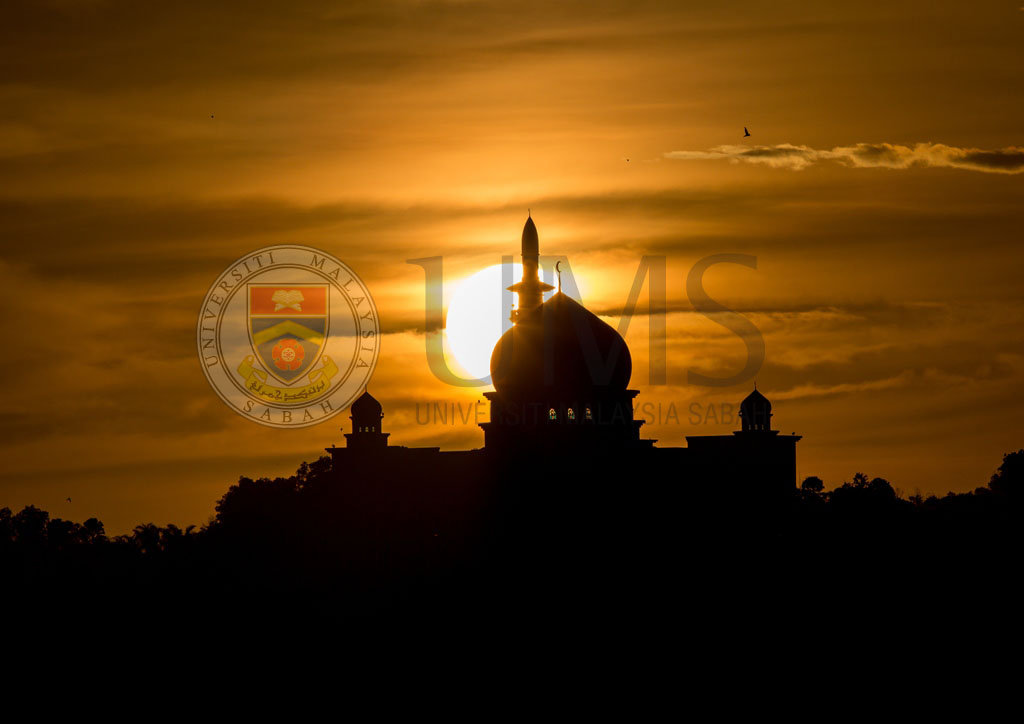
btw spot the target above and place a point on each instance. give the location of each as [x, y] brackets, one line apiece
[531, 289]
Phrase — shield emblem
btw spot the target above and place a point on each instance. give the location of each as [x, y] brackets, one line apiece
[288, 326]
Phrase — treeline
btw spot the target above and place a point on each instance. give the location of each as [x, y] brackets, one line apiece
[374, 544]
[261, 506]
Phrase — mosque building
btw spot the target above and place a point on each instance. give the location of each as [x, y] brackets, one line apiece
[561, 391]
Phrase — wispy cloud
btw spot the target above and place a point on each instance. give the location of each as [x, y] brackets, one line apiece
[818, 390]
[1009, 160]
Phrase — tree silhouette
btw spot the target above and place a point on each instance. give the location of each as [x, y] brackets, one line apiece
[30, 526]
[1009, 479]
[813, 484]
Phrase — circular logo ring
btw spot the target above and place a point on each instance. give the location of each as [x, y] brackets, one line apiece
[288, 336]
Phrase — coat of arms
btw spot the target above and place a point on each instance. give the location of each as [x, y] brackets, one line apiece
[288, 324]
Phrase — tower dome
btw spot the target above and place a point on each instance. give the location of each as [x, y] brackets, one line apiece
[756, 412]
[367, 408]
[561, 351]
[366, 430]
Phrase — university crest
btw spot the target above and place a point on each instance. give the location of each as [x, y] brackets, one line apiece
[288, 325]
[287, 336]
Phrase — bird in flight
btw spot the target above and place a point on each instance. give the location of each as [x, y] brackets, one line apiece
[745, 132]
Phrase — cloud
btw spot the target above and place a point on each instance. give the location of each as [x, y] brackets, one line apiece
[1009, 160]
[818, 390]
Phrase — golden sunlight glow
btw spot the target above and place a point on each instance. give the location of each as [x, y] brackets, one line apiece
[405, 130]
[476, 319]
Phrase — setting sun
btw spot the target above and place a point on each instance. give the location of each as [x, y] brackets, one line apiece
[477, 316]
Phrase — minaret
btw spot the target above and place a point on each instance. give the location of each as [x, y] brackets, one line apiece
[756, 412]
[531, 289]
[366, 416]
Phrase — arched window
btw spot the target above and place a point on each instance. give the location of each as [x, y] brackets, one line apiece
[572, 414]
[552, 415]
[589, 415]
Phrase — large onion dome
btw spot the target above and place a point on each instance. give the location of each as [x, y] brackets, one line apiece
[560, 351]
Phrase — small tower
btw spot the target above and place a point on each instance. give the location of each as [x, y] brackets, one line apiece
[531, 289]
[366, 433]
[756, 412]
[756, 459]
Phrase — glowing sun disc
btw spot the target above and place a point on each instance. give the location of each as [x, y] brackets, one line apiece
[476, 319]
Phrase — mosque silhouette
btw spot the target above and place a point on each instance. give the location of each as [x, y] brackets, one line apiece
[561, 404]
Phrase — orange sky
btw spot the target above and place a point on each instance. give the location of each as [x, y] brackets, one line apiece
[888, 283]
